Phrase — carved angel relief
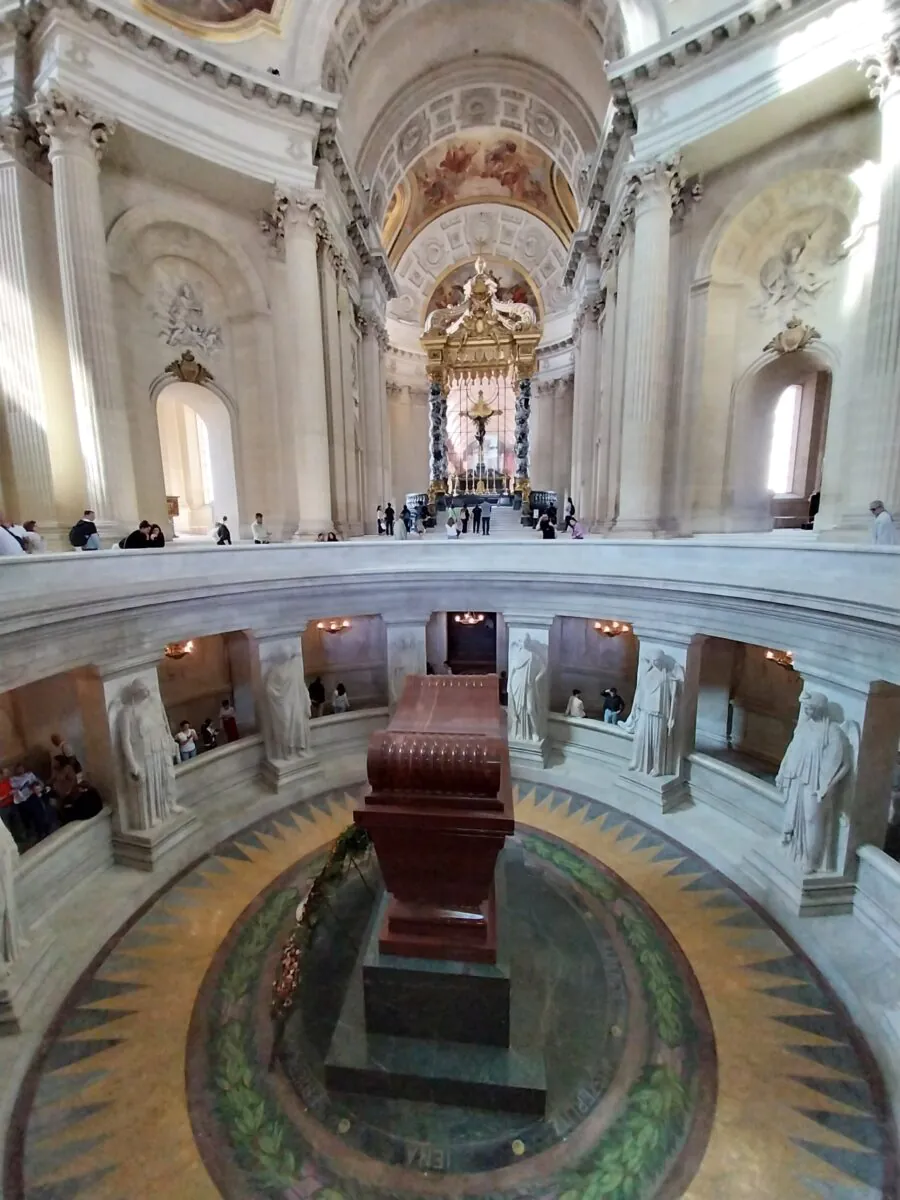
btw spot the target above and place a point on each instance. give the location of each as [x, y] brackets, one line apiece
[803, 264]
[182, 320]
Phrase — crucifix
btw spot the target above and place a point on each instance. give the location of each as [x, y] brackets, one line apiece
[479, 414]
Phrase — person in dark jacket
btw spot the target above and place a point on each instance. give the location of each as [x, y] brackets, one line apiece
[138, 539]
[223, 533]
[156, 539]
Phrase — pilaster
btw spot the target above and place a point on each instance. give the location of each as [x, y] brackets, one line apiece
[77, 136]
[406, 653]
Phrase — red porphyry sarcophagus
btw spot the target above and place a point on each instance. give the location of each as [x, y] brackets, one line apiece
[439, 811]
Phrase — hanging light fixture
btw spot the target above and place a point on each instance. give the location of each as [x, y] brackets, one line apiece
[781, 658]
[179, 649]
[611, 629]
[468, 618]
[336, 625]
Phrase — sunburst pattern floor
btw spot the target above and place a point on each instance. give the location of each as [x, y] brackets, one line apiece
[105, 1114]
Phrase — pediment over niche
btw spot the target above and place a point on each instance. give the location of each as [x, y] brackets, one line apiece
[517, 241]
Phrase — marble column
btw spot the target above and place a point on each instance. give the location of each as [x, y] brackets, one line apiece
[624, 258]
[353, 434]
[599, 507]
[646, 376]
[302, 773]
[678, 656]
[875, 466]
[868, 716]
[77, 136]
[28, 475]
[101, 692]
[303, 222]
[541, 434]
[587, 390]
[562, 439]
[331, 267]
[375, 416]
[529, 688]
[405, 653]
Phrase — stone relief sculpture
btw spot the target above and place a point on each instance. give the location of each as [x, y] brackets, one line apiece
[527, 689]
[794, 276]
[289, 708]
[147, 749]
[183, 321]
[816, 763]
[10, 934]
[652, 717]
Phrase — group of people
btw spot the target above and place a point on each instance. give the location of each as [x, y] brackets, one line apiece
[613, 706]
[145, 537]
[389, 524]
[188, 743]
[31, 808]
[546, 523]
[480, 516]
[340, 701]
[20, 539]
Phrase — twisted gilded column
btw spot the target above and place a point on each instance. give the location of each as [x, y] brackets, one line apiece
[303, 223]
[28, 488]
[76, 136]
[876, 471]
[437, 427]
[523, 448]
[644, 420]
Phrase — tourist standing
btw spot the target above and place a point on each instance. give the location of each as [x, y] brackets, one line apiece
[464, 518]
[575, 707]
[884, 531]
[486, 510]
[340, 701]
[317, 696]
[228, 721]
[613, 706]
[223, 533]
[379, 520]
[208, 735]
[476, 518]
[389, 519]
[186, 737]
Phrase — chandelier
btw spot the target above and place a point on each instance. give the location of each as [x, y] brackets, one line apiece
[338, 625]
[781, 658]
[179, 649]
[611, 629]
[468, 618]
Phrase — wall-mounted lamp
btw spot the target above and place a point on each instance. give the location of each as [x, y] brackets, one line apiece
[179, 649]
[468, 618]
[338, 625]
[781, 658]
[611, 628]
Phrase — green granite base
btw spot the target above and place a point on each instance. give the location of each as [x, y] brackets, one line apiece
[435, 1031]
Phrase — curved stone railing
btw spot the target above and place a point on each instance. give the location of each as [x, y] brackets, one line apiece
[838, 604]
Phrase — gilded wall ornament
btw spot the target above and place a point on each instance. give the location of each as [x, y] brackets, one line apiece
[188, 370]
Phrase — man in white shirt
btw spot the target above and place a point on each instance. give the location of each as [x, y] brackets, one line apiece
[884, 531]
[261, 535]
[486, 508]
[575, 707]
[9, 543]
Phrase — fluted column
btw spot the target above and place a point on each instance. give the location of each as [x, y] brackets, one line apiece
[587, 384]
[303, 223]
[28, 478]
[646, 383]
[599, 504]
[76, 136]
[876, 465]
[405, 653]
[562, 438]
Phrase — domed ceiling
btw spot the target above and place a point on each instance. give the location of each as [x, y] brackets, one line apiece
[484, 165]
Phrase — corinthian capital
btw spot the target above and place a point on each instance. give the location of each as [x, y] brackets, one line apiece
[21, 141]
[69, 121]
[657, 184]
[883, 69]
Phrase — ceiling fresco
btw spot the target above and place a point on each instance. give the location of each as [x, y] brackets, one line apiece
[485, 165]
[513, 286]
[218, 20]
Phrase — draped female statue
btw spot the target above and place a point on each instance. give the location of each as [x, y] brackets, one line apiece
[652, 717]
[527, 677]
[289, 708]
[814, 764]
[147, 749]
[10, 934]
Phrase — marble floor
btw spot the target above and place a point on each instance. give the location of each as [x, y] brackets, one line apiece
[691, 1050]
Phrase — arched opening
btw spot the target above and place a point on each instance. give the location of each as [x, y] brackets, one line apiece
[777, 443]
[197, 446]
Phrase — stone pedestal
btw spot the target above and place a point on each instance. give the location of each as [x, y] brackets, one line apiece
[665, 792]
[144, 848]
[302, 774]
[824, 894]
[529, 754]
[24, 980]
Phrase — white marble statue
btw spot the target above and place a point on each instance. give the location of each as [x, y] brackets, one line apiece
[289, 708]
[147, 749]
[814, 765]
[652, 717]
[10, 936]
[527, 685]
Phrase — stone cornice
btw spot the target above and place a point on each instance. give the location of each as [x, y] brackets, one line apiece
[702, 39]
[251, 85]
[618, 125]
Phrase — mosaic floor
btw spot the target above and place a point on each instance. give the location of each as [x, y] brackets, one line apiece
[690, 1051]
